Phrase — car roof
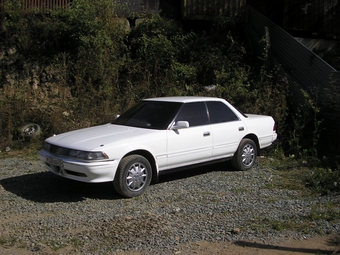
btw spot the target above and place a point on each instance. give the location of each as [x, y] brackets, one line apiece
[184, 99]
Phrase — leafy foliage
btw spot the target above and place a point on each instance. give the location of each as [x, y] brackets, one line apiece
[324, 180]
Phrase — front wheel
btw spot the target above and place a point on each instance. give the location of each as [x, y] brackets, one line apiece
[245, 156]
[133, 176]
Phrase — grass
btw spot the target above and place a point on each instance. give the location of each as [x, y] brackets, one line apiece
[240, 190]
[2, 241]
[25, 150]
[329, 212]
[289, 174]
[299, 224]
[76, 243]
[7, 242]
[293, 174]
[282, 225]
[292, 225]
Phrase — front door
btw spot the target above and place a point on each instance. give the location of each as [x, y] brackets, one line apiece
[193, 144]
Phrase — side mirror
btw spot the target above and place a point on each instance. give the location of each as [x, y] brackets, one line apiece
[180, 125]
[117, 116]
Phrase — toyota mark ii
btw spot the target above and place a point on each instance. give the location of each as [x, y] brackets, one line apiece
[156, 135]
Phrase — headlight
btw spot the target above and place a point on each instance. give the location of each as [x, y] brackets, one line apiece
[97, 155]
[88, 155]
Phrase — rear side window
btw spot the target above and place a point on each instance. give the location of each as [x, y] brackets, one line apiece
[194, 113]
[220, 112]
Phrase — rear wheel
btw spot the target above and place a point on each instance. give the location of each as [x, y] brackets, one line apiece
[133, 176]
[245, 156]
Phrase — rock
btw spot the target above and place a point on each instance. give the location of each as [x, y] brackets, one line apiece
[236, 231]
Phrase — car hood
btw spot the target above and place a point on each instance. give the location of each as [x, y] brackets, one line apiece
[98, 136]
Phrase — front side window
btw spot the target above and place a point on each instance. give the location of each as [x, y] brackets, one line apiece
[220, 112]
[194, 113]
[149, 114]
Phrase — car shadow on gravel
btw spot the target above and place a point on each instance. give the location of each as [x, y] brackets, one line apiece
[45, 187]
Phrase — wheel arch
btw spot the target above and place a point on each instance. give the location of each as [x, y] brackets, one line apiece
[255, 139]
[146, 154]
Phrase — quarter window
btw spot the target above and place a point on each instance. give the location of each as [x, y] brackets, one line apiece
[220, 112]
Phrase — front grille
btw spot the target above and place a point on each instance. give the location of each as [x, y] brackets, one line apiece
[60, 151]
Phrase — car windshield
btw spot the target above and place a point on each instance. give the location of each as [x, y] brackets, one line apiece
[149, 114]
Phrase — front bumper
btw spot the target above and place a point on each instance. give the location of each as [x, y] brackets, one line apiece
[84, 171]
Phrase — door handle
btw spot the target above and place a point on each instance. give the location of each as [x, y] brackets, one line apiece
[241, 129]
[206, 133]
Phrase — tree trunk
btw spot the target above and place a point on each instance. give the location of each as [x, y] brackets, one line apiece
[2, 17]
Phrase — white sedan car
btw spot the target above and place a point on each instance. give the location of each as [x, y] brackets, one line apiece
[156, 135]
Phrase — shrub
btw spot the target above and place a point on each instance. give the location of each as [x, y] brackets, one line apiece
[324, 180]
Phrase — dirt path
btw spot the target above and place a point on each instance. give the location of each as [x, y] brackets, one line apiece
[319, 245]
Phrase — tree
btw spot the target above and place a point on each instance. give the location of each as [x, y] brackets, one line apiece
[2, 17]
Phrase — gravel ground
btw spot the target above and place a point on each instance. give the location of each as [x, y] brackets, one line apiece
[43, 213]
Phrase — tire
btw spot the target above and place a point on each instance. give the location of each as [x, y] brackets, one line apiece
[133, 176]
[245, 156]
[30, 130]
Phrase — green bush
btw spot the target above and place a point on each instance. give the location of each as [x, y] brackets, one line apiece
[78, 67]
[324, 180]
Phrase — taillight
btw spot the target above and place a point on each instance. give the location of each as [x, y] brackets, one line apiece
[274, 127]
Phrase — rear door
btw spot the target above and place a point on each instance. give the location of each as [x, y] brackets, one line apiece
[227, 129]
[190, 145]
